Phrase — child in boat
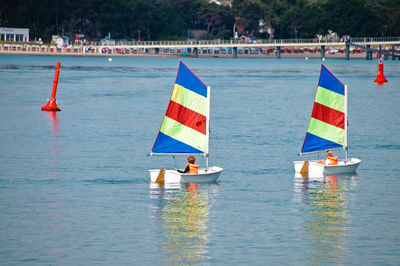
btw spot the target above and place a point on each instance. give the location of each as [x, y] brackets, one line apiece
[330, 159]
[191, 167]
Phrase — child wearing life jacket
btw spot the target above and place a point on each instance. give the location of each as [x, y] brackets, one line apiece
[330, 159]
[191, 167]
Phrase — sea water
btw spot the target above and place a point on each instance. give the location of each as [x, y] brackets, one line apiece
[74, 187]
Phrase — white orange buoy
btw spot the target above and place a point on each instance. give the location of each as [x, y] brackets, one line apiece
[52, 104]
[380, 79]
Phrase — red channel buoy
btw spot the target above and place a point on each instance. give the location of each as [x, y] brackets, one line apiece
[52, 104]
[380, 79]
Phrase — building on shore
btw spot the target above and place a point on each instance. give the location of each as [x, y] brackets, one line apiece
[14, 35]
[60, 40]
[107, 41]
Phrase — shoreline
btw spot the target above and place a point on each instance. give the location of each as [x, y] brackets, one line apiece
[305, 55]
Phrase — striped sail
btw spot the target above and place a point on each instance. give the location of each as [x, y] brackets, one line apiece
[327, 127]
[184, 128]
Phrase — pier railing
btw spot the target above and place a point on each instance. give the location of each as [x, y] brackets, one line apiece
[277, 42]
[238, 42]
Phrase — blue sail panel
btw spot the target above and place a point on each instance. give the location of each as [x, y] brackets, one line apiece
[328, 81]
[190, 81]
[166, 144]
[314, 143]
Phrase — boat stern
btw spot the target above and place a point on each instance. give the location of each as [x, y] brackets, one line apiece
[342, 167]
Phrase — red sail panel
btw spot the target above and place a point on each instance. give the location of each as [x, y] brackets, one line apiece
[328, 115]
[186, 117]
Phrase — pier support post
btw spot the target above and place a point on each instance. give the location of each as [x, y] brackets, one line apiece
[235, 52]
[347, 51]
[196, 53]
[393, 49]
[368, 53]
[278, 52]
[322, 51]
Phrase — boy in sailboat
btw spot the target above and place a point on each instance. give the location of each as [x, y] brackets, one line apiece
[330, 159]
[191, 167]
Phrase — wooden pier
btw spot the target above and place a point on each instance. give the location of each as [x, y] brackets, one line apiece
[343, 48]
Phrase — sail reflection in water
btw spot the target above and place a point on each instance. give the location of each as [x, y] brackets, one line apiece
[183, 211]
[327, 222]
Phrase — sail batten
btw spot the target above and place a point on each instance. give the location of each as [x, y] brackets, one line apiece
[326, 131]
[189, 99]
[185, 124]
[186, 117]
[327, 126]
[328, 115]
[330, 99]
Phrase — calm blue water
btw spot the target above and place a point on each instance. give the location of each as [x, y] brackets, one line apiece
[74, 188]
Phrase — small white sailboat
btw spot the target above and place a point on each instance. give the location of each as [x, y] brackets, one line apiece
[185, 129]
[327, 129]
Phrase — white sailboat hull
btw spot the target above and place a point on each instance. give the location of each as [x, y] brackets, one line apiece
[315, 168]
[172, 176]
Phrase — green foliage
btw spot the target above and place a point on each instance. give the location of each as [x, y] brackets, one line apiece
[354, 18]
[389, 13]
[170, 19]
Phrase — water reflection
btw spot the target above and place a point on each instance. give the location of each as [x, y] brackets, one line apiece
[327, 221]
[54, 144]
[52, 204]
[183, 211]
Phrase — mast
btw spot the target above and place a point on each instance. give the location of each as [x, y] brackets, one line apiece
[208, 123]
[345, 122]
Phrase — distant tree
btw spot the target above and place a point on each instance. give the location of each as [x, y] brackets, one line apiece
[389, 12]
[217, 21]
[249, 13]
[313, 23]
[138, 18]
[351, 17]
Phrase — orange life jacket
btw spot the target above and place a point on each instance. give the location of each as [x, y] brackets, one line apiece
[332, 159]
[193, 168]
